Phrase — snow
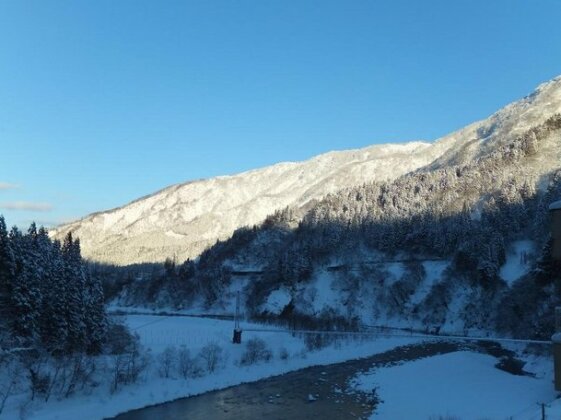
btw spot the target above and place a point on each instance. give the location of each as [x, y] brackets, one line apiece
[157, 332]
[555, 206]
[553, 411]
[396, 270]
[184, 219]
[462, 384]
[433, 274]
[226, 305]
[174, 234]
[517, 261]
[276, 301]
[321, 294]
[434, 269]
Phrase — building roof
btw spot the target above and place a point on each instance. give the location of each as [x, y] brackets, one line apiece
[555, 206]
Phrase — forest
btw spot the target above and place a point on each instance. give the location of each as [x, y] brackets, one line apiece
[55, 335]
[467, 212]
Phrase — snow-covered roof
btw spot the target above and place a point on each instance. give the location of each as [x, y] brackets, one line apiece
[555, 206]
[556, 338]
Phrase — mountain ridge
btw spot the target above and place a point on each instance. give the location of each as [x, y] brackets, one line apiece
[183, 219]
[322, 169]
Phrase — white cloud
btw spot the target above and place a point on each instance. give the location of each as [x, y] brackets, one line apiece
[7, 186]
[26, 206]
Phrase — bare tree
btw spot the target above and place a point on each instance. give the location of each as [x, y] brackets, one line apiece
[256, 351]
[186, 364]
[128, 366]
[82, 368]
[212, 355]
[9, 381]
[167, 361]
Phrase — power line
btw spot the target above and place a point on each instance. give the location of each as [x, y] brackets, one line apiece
[393, 334]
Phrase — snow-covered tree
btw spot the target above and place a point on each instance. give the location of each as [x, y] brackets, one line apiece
[25, 299]
[75, 283]
[7, 271]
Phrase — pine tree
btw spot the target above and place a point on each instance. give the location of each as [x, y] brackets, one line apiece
[54, 326]
[95, 317]
[7, 271]
[75, 284]
[25, 299]
[46, 298]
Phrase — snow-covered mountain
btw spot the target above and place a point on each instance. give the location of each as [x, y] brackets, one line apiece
[481, 137]
[182, 220]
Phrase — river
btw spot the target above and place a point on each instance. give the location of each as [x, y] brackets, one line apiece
[321, 392]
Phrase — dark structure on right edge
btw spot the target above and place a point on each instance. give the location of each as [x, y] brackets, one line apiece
[555, 214]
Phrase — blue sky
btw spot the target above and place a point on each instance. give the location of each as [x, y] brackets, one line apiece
[102, 102]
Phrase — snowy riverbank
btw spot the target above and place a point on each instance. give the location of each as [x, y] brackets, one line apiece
[158, 333]
[461, 385]
[422, 382]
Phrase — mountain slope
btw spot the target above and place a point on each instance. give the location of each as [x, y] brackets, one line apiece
[183, 220]
[461, 244]
[514, 119]
[462, 248]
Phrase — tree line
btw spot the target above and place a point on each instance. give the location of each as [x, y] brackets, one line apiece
[48, 299]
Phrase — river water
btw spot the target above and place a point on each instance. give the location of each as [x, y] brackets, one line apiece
[320, 392]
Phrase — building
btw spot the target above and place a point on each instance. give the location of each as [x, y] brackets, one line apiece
[555, 212]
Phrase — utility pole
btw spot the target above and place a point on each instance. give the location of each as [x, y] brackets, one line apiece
[237, 330]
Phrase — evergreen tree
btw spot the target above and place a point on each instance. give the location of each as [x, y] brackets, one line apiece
[95, 319]
[54, 328]
[7, 272]
[25, 299]
[74, 279]
[46, 299]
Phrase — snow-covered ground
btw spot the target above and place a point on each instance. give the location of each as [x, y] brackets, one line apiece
[462, 385]
[157, 333]
[276, 301]
[518, 260]
[434, 271]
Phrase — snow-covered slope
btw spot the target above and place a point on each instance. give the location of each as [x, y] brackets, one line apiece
[183, 219]
[512, 120]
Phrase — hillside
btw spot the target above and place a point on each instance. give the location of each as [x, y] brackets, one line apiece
[459, 244]
[182, 220]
